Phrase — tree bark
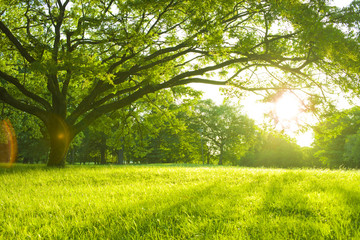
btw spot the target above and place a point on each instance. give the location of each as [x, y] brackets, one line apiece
[60, 139]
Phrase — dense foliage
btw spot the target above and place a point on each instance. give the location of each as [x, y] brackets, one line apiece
[275, 149]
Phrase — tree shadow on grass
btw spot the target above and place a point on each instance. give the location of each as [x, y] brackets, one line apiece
[328, 210]
[191, 213]
[351, 198]
[25, 168]
[186, 165]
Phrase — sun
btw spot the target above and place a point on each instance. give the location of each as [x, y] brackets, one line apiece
[286, 110]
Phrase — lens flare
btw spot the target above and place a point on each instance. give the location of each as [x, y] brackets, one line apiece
[60, 138]
[8, 144]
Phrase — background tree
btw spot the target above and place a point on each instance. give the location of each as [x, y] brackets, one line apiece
[70, 62]
[176, 142]
[32, 141]
[278, 150]
[309, 158]
[337, 139]
[149, 131]
[227, 131]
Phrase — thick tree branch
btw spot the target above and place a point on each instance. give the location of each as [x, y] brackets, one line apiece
[7, 98]
[164, 60]
[122, 60]
[201, 80]
[97, 112]
[204, 70]
[167, 50]
[113, 95]
[16, 42]
[272, 38]
[160, 15]
[26, 92]
[66, 83]
[224, 83]
[86, 103]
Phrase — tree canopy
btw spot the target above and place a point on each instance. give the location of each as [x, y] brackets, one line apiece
[70, 62]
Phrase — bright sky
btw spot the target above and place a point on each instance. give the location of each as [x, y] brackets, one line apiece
[286, 107]
[341, 3]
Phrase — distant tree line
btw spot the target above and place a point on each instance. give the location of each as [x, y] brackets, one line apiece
[188, 130]
[183, 131]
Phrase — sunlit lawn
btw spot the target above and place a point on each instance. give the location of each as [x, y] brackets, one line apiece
[177, 202]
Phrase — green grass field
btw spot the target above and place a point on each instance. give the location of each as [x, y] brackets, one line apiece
[178, 202]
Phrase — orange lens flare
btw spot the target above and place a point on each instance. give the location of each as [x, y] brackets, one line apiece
[8, 144]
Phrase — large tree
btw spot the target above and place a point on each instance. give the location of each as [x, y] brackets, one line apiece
[70, 62]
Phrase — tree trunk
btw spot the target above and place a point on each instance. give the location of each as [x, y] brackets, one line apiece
[121, 156]
[221, 155]
[102, 155]
[71, 156]
[103, 149]
[60, 139]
